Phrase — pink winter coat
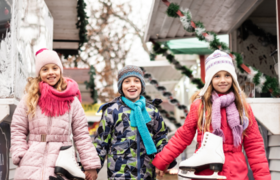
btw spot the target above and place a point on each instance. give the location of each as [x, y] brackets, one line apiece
[36, 159]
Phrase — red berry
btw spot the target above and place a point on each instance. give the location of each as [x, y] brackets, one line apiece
[193, 24]
[6, 11]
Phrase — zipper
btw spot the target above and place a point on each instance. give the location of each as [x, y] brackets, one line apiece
[49, 125]
[138, 156]
[138, 148]
[44, 160]
[48, 129]
[70, 123]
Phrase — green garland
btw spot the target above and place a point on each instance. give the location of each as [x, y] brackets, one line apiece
[270, 85]
[256, 79]
[82, 22]
[173, 9]
[152, 56]
[239, 61]
[198, 82]
[91, 85]
[263, 83]
[158, 49]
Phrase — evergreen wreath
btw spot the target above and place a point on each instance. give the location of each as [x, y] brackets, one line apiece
[249, 26]
[160, 49]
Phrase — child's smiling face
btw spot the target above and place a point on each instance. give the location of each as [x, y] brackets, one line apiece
[131, 88]
[222, 82]
[50, 73]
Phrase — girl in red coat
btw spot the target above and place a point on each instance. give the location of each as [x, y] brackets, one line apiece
[221, 108]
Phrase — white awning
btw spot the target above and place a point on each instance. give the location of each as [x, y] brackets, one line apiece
[218, 16]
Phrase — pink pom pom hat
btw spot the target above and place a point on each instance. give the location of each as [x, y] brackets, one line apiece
[45, 56]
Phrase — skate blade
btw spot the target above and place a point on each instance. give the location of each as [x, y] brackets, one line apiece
[191, 175]
[62, 172]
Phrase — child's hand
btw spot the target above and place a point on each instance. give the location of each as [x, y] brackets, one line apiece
[91, 174]
[160, 173]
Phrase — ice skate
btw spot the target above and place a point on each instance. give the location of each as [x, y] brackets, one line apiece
[210, 155]
[66, 164]
[56, 178]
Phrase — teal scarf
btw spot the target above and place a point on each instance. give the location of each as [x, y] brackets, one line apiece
[138, 118]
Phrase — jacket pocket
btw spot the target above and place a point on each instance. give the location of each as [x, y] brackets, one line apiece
[23, 158]
[120, 147]
[16, 157]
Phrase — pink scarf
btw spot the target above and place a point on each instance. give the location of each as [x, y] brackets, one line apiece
[55, 103]
[233, 119]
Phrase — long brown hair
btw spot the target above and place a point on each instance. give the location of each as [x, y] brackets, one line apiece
[240, 102]
[32, 90]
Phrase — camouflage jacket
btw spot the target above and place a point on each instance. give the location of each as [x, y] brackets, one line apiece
[126, 154]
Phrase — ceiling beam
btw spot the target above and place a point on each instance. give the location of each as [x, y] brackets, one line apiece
[66, 36]
[65, 45]
[151, 19]
[61, 3]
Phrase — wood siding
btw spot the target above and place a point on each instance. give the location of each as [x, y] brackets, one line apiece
[274, 156]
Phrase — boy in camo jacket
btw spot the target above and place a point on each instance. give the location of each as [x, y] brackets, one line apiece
[131, 131]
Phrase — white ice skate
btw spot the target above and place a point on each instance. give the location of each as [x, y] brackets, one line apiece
[66, 164]
[210, 154]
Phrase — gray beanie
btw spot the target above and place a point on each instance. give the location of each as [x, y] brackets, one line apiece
[130, 71]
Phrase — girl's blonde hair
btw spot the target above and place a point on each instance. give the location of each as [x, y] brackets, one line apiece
[32, 90]
[240, 102]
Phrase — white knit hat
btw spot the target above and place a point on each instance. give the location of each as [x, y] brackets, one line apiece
[218, 61]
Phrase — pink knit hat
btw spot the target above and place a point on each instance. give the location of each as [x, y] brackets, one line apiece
[45, 56]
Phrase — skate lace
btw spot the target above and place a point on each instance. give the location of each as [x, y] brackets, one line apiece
[202, 130]
[203, 144]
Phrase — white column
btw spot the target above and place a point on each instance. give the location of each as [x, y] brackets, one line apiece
[278, 37]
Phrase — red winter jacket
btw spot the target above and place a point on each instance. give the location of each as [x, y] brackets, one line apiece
[235, 167]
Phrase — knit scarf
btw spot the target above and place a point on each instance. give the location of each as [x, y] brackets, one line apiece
[56, 103]
[138, 118]
[226, 101]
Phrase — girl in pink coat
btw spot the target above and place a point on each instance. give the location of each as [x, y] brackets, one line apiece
[44, 120]
[220, 108]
